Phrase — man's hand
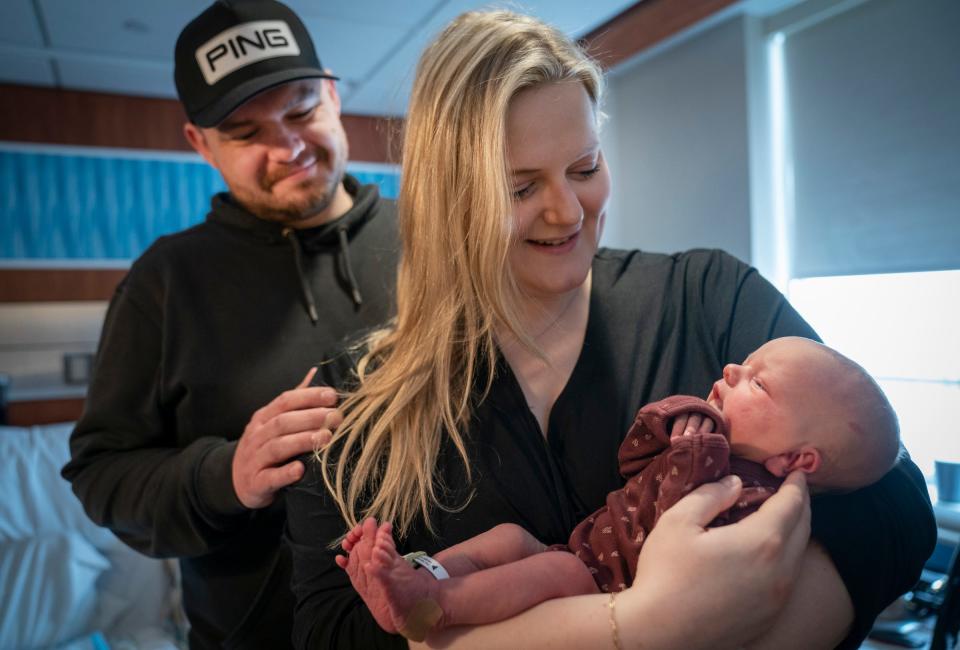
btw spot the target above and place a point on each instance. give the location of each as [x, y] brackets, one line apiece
[297, 421]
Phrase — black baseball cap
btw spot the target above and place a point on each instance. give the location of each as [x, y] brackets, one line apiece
[236, 49]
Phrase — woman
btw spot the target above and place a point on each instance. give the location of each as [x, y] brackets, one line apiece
[518, 358]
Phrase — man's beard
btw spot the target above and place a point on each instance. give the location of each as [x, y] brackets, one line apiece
[312, 197]
[303, 208]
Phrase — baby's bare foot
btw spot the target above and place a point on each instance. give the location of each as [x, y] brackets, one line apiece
[348, 544]
[402, 599]
[358, 544]
[353, 537]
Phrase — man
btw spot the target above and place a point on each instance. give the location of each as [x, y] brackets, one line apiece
[185, 442]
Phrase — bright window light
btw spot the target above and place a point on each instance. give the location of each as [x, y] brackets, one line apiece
[902, 328]
[780, 159]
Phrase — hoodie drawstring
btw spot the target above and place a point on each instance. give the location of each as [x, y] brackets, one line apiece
[345, 251]
[304, 283]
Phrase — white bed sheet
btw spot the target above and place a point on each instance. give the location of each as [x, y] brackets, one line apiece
[65, 582]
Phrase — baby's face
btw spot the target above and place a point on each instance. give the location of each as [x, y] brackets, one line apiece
[768, 401]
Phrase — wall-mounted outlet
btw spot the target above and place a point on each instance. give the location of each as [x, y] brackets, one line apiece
[77, 367]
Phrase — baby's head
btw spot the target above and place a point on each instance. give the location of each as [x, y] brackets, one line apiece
[795, 404]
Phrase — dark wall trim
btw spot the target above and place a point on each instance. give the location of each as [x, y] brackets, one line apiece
[48, 411]
[56, 285]
[72, 117]
[645, 24]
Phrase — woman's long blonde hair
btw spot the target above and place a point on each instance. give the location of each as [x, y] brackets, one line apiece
[420, 378]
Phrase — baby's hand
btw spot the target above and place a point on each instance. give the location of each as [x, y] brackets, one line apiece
[691, 423]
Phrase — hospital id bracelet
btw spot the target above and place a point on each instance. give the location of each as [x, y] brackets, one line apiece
[421, 559]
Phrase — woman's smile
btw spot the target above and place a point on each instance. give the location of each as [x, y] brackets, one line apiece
[556, 245]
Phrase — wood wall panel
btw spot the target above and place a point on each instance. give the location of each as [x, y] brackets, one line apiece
[373, 139]
[72, 117]
[56, 285]
[46, 411]
[645, 24]
[56, 116]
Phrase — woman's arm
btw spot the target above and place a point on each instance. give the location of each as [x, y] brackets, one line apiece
[890, 525]
[819, 611]
[695, 588]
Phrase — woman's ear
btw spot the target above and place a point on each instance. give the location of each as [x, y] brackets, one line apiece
[805, 459]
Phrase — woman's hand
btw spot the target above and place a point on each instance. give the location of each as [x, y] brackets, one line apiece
[736, 578]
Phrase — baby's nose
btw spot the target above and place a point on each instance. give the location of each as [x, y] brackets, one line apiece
[731, 373]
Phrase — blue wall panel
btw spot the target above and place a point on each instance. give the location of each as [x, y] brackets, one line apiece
[93, 207]
[389, 181]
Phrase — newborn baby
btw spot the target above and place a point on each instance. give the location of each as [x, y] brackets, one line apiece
[793, 405]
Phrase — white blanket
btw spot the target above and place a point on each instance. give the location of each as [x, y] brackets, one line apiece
[65, 582]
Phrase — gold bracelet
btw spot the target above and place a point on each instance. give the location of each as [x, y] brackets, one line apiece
[614, 632]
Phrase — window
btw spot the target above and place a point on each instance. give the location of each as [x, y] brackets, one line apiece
[864, 175]
[902, 328]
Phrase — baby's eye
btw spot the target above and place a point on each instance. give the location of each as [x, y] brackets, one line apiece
[758, 383]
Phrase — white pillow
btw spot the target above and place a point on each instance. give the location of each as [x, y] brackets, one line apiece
[49, 586]
[36, 499]
[61, 575]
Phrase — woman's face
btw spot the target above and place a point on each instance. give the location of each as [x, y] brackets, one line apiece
[560, 187]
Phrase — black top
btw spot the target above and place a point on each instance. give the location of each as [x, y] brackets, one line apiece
[209, 325]
[658, 325]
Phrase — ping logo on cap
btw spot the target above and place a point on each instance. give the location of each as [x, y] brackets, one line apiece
[245, 44]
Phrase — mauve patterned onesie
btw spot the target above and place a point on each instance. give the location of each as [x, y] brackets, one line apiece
[659, 471]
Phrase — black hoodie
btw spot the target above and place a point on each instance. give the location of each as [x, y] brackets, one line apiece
[209, 325]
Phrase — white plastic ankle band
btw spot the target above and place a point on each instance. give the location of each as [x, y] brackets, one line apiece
[421, 559]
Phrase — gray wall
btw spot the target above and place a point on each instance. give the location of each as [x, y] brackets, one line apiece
[677, 143]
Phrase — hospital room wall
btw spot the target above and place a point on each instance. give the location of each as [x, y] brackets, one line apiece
[676, 137]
